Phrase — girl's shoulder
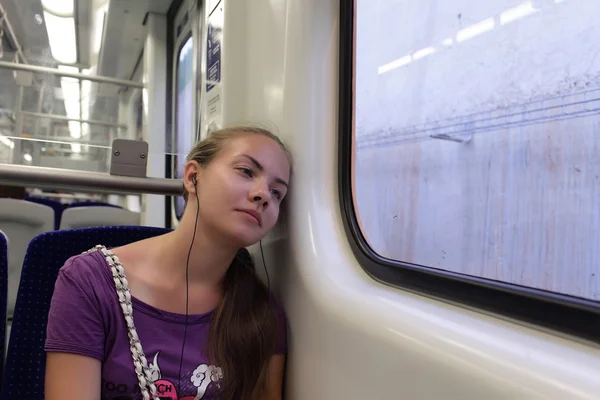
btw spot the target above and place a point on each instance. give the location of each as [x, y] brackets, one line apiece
[88, 269]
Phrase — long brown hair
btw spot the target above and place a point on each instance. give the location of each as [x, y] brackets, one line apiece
[244, 329]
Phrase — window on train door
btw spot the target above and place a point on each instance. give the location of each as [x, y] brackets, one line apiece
[477, 139]
[184, 125]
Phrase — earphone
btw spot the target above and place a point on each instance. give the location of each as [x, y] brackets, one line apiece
[187, 265]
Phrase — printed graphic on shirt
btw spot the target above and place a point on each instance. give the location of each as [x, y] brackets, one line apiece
[204, 378]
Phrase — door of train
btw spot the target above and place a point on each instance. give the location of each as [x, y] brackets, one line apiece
[185, 115]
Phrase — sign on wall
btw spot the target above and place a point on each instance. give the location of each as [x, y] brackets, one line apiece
[214, 42]
[213, 56]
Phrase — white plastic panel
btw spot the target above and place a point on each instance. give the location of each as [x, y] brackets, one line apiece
[154, 94]
[351, 337]
[84, 217]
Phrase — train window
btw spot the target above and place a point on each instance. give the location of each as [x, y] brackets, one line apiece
[476, 139]
[184, 113]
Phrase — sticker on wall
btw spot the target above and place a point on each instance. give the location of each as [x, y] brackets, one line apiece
[213, 103]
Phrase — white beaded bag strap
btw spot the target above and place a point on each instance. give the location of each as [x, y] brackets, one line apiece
[140, 363]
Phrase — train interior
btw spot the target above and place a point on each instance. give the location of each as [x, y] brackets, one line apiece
[441, 236]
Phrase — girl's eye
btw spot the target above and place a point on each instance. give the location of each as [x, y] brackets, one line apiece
[276, 193]
[246, 171]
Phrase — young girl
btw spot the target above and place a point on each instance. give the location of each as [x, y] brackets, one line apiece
[118, 327]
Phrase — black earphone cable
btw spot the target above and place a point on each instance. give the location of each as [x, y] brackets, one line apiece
[187, 266]
[187, 269]
[265, 267]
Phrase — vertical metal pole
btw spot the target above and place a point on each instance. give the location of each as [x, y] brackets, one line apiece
[39, 109]
[155, 78]
[108, 152]
[18, 150]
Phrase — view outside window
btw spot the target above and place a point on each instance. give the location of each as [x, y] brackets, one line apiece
[478, 138]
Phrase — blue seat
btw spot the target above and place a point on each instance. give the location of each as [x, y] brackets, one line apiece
[26, 360]
[90, 204]
[3, 294]
[57, 206]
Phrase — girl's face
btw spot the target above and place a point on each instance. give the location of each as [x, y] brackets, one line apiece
[241, 190]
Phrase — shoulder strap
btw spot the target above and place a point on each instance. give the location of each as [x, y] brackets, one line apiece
[140, 363]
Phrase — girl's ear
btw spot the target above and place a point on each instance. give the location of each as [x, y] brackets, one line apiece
[191, 172]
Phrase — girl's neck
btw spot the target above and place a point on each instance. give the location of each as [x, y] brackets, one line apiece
[209, 258]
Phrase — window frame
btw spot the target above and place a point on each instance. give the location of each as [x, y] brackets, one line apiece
[570, 315]
[171, 40]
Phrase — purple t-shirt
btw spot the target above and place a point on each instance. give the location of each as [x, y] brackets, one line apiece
[85, 318]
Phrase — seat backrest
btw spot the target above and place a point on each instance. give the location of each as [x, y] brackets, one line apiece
[3, 288]
[57, 206]
[26, 360]
[21, 221]
[76, 204]
[83, 217]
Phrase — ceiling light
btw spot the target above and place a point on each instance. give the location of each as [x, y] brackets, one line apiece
[394, 64]
[475, 30]
[71, 94]
[518, 12]
[75, 129]
[60, 8]
[61, 35]
[423, 53]
[99, 29]
[6, 141]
